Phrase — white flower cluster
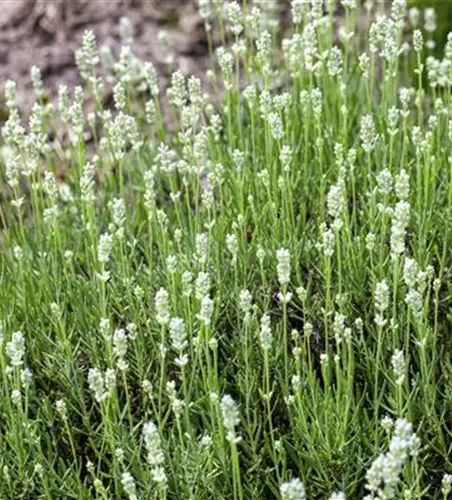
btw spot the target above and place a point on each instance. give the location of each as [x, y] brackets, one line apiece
[336, 204]
[327, 242]
[416, 282]
[283, 266]
[398, 365]
[338, 496]
[104, 248]
[384, 473]
[367, 133]
[128, 482]
[178, 335]
[120, 340]
[101, 386]
[381, 302]
[206, 312]
[162, 307]
[293, 490]
[155, 454]
[400, 222]
[265, 333]
[15, 349]
[231, 418]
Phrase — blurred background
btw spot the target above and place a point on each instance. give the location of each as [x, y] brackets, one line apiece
[443, 10]
[46, 33]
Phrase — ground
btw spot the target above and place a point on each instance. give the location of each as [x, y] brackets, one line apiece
[46, 33]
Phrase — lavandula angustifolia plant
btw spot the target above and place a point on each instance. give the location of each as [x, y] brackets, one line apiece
[310, 145]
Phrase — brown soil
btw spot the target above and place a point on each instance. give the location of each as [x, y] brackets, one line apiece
[46, 33]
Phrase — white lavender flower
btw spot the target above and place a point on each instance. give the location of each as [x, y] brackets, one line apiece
[264, 51]
[18, 253]
[414, 15]
[10, 90]
[119, 217]
[16, 397]
[120, 348]
[410, 272]
[205, 9]
[104, 248]
[226, 62]
[15, 349]
[265, 333]
[178, 334]
[367, 133]
[155, 454]
[235, 17]
[430, 20]
[202, 248]
[96, 384]
[202, 285]
[233, 246]
[61, 408]
[87, 183]
[250, 95]
[110, 380]
[231, 418]
[284, 298]
[400, 222]
[446, 485]
[316, 101]
[398, 366]
[128, 482]
[298, 11]
[364, 64]
[178, 90]
[381, 302]
[328, 241]
[89, 48]
[36, 79]
[119, 96]
[338, 496]
[26, 376]
[334, 61]
[126, 30]
[162, 307]
[293, 490]
[276, 126]
[384, 181]
[283, 266]
[414, 301]
[336, 204]
[384, 473]
[302, 293]
[418, 40]
[187, 283]
[398, 12]
[402, 185]
[245, 301]
[207, 307]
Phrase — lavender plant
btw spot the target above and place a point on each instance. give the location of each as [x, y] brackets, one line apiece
[243, 293]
